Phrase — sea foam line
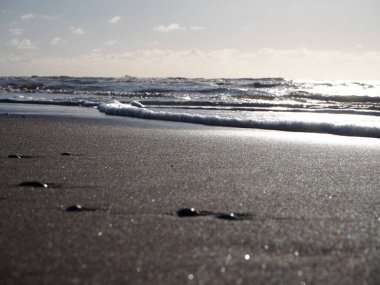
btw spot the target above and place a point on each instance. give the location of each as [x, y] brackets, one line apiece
[117, 108]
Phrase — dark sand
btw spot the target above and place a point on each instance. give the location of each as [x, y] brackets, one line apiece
[312, 204]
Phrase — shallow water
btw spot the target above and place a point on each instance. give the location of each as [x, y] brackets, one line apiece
[337, 107]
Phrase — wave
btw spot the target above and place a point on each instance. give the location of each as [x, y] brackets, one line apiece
[117, 108]
[335, 98]
[207, 105]
[237, 89]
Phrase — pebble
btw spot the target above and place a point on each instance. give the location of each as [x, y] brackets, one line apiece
[227, 216]
[79, 208]
[188, 212]
[18, 156]
[14, 156]
[33, 184]
[191, 212]
[69, 154]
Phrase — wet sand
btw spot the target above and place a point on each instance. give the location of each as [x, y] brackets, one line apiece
[307, 205]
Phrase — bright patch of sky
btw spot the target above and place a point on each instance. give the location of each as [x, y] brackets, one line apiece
[324, 39]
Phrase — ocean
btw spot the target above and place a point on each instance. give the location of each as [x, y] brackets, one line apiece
[336, 107]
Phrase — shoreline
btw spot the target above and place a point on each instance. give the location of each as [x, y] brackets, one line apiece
[310, 202]
[82, 112]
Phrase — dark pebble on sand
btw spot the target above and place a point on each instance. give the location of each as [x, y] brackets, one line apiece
[33, 184]
[188, 212]
[14, 156]
[227, 216]
[69, 154]
[79, 208]
[74, 208]
[18, 156]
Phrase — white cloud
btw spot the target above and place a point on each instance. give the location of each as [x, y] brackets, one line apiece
[77, 31]
[296, 63]
[111, 42]
[22, 44]
[28, 16]
[31, 16]
[57, 41]
[16, 31]
[115, 19]
[169, 28]
[177, 27]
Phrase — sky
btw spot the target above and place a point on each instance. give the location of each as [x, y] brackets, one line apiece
[304, 39]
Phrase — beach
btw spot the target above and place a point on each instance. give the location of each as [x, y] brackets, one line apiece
[306, 206]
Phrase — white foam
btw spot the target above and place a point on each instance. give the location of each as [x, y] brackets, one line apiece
[117, 108]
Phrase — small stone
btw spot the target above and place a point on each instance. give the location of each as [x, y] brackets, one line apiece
[69, 154]
[19, 156]
[227, 216]
[79, 208]
[188, 212]
[14, 156]
[33, 184]
[74, 208]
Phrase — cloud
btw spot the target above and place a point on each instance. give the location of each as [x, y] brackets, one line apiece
[114, 20]
[28, 16]
[31, 16]
[22, 44]
[300, 63]
[176, 27]
[16, 31]
[170, 28]
[57, 41]
[77, 31]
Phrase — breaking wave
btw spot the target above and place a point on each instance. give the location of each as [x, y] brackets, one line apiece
[117, 108]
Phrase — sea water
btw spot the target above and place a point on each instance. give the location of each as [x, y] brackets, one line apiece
[336, 107]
